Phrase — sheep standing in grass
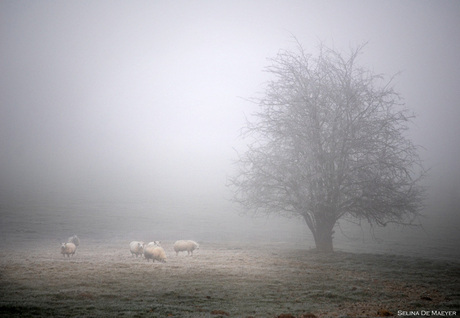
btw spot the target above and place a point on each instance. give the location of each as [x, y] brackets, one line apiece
[68, 249]
[75, 240]
[155, 253]
[182, 246]
[136, 248]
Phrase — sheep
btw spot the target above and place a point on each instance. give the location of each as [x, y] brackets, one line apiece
[155, 253]
[188, 246]
[75, 240]
[154, 243]
[136, 248]
[68, 249]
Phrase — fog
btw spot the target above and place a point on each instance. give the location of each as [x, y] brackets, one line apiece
[119, 110]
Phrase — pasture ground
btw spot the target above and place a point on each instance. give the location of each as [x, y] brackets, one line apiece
[220, 280]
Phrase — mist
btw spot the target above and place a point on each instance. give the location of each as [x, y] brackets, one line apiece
[125, 117]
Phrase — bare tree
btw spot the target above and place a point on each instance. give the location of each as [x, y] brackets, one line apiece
[329, 142]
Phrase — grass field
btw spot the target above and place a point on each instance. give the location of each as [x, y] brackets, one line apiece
[246, 269]
[220, 280]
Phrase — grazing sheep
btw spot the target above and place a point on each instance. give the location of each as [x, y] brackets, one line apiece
[188, 246]
[155, 253]
[68, 249]
[154, 243]
[75, 240]
[136, 248]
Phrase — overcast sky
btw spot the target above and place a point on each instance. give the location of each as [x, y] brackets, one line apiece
[135, 100]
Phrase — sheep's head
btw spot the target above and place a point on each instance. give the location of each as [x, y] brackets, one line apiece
[154, 243]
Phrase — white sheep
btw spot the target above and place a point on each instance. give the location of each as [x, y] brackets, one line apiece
[136, 248]
[155, 253]
[68, 249]
[154, 243]
[188, 246]
[75, 240]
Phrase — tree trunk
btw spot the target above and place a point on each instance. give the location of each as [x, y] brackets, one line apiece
[322, 229]
[323, 235]
[323, 240]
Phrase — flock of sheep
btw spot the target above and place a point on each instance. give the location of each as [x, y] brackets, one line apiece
[155, 252]
[152, 250]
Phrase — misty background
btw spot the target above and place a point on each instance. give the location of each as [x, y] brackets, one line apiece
[127, 115]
